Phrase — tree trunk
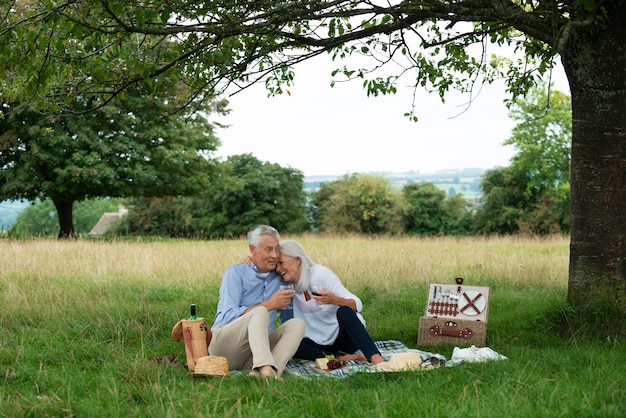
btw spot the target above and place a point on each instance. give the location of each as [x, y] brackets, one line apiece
[66, 219]
[594, 60]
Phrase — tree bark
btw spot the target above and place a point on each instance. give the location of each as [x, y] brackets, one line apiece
[66, 218]
[594, 60]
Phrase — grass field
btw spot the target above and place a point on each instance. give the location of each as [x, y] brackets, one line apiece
[81, 323]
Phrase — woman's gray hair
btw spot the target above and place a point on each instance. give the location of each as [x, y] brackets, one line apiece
[293, 249]
[254, 235]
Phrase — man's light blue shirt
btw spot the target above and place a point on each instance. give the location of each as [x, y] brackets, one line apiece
[242, 287]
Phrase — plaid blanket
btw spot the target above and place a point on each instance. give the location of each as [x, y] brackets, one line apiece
[306, 369]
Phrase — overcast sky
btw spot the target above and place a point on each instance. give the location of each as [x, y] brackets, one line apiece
[338, 130]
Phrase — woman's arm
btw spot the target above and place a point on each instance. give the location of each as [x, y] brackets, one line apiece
[329, 297]
[334, 291]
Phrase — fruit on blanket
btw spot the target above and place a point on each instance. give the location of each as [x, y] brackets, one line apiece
[334, 364]
[328, 362]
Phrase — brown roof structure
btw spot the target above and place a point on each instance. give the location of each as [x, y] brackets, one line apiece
[106, 221]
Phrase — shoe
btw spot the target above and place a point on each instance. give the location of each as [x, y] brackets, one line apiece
[437, 360]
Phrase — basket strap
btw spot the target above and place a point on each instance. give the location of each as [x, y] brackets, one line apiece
[187, 338]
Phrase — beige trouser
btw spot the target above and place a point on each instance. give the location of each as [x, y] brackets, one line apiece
[246, 344]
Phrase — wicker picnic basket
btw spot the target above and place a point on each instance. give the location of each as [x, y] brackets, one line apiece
[455, 314]
[194, 333]
[441, 331]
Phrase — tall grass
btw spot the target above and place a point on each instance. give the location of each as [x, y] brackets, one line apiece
[83, 321]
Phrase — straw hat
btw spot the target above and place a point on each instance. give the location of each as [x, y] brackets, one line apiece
[211, 366]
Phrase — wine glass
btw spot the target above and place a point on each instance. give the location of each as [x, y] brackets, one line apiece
[315, 289]
[287, 286]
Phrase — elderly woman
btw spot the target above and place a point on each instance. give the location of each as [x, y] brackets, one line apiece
[330, 312]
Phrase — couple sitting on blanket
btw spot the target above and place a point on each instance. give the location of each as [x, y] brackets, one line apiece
[323, 320]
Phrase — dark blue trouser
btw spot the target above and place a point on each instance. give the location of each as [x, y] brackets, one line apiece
[352, 337]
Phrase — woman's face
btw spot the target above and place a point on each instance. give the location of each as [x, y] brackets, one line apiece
[289, 268]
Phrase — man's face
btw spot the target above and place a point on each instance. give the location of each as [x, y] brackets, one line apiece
[265, 256]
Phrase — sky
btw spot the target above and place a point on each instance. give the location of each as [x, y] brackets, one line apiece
[324, 130]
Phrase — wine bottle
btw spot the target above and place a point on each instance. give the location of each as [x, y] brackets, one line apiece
[192, 309]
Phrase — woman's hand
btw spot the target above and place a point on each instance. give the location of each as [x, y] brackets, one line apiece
[326, 297]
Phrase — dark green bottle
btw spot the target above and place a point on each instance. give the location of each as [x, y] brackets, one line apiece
[192, 310]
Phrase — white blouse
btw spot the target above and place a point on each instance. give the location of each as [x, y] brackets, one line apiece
[321, 320]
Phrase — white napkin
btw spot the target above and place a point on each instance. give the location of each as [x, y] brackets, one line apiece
[476, 354]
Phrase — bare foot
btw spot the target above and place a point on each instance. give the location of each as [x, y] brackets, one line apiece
[376, 359]
[268, 372]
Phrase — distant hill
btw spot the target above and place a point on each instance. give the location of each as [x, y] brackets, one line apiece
[453, 181]
[9, 210]
[465, 181]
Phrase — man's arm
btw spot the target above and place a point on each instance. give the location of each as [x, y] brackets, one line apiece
[231, 290]
[276, 301]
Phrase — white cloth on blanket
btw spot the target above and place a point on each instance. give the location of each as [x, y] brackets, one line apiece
[475, 354]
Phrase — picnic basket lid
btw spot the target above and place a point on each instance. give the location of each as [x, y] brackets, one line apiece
[177, 331]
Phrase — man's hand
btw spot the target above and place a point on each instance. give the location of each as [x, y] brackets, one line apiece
[280, 299]
[277, 301]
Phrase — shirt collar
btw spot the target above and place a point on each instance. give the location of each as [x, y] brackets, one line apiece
[259, 274]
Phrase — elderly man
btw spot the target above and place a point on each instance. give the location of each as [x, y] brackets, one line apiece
[250, 294]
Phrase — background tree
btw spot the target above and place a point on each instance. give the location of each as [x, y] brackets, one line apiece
[168, 216]
[225, 41]
[358, 204]
[132, 146]
[428, 211]
[532, 194]
[543, 139]
[40, 218]
[249, 192]
[459, 215]
[424, 214]
[245, 193]
[37, 220]
[501, 205]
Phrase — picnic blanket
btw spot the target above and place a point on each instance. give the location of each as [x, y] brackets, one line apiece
[306, 369]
